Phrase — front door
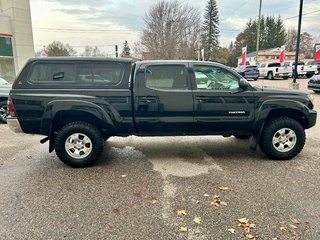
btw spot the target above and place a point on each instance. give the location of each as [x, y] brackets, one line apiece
[163, 99]
[220, 105]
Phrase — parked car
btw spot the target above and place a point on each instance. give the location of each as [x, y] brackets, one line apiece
[311, 68]
[152, 98]
[291, 65]
[314, 82]
[4, 93]
[274, 69]
[248, 72]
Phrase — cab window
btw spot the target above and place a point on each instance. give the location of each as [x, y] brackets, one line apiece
[214, 78]
[166, 77]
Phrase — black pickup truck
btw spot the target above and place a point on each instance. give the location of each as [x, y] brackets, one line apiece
[78, 103]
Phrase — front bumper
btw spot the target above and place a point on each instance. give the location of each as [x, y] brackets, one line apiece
[14, 124]
[312, 118]
[314, 86]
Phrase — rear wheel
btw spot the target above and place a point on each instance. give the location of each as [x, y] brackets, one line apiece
[3, 111]
[309, 75]
[79, 144]
[285, 78]
[282, 139]
[270, 75]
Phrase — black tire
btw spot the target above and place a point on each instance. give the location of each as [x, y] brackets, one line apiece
[285, 78]
[88, 139]
[242, 136]
[3, 112]
[316, 91]
[255, 79]
[309, 75]
[271, 131]
[270, 75]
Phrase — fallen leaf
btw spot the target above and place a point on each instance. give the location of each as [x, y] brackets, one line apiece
[135, 206]
[197, 202]
[283, 229]
[183, 229]
[252, 225]
[138, 194]
[116, 211]
[152, 200]
[231, 230]
[243, 220]
[181, 212]
[274, 238]
[250, 236]
[306, 222]
[197, 220]
[123, 176]
[217, 202]
[223, 203]
[183, 199]
[295, 221]
[293, 226]
[29, 157]
[225, 189]
[206, 195]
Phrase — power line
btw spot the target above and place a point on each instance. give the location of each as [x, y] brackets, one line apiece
[302, 15]
[84, 30]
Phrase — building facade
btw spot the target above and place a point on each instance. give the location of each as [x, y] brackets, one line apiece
[269, 55]
[16, 37]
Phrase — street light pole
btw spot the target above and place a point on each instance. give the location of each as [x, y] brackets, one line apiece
[295, 73]
[258, 32]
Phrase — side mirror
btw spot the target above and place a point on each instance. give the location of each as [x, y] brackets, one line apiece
[243, 84]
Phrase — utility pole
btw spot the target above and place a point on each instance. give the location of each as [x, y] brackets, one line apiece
[294, 83]
[258, 32]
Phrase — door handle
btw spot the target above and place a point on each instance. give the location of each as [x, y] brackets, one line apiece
[202, 98]
[146, 100]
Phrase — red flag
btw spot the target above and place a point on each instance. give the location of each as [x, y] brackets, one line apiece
[317, 51]
[282, 53]
[244, 56]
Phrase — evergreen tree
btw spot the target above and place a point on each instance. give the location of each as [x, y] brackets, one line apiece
[210, 31]
[272, 33]
[125, 49]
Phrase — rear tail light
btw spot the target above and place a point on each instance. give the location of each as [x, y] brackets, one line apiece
[12, 110]
[246, 71]
[302, 68]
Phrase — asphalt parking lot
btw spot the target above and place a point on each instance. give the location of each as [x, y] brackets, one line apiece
[161, 188]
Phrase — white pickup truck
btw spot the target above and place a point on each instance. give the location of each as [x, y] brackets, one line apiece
[300, 69]
[274, 69]
[311, 68]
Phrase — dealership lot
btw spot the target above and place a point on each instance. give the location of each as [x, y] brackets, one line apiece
[161, 188]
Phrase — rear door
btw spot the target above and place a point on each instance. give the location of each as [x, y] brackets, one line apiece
[219, 103]
[163, 99]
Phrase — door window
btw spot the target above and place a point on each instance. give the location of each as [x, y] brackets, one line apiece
[215, 78]
[166, 77]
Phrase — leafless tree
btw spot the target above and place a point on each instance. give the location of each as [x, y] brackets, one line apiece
[57, 48]
[90, 51]
[307, 42]
[172, 30]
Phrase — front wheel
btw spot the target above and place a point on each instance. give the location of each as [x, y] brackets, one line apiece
[270, 75]
[282, 139]
[79, 144]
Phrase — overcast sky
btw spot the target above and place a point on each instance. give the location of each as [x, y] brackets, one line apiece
[105, 23]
